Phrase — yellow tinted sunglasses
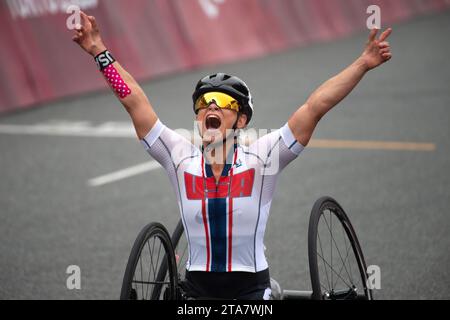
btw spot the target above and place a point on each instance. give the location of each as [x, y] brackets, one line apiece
[222, 100]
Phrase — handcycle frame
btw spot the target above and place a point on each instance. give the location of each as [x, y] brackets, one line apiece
[168, 272]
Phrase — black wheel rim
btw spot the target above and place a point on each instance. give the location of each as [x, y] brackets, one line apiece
[338, 269]
[151, 252]
[180, 245]
[145, 280]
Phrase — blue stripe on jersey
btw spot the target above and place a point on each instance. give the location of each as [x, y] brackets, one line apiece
[217, 213]
[292, 145]
[217, 219]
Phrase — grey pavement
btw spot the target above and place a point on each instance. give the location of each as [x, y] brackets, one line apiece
[397, 200]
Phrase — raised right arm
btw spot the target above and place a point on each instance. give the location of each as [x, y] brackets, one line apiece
[126, 89]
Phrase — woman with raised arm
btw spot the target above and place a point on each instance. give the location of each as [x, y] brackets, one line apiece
[225, 189]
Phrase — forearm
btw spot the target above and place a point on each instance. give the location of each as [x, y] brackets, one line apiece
[125, 87]
[336, 89]
[304, 121]
[131, 96]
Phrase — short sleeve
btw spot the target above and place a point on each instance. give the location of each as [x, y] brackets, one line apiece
[276, 150]
[167, 146]
[290, 141]
[153, 135]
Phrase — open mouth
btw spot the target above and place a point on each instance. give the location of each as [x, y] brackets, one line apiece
[212, 122]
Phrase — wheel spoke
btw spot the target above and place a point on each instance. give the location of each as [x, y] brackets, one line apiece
[149, 270]
[142, 286]
[159, 252]
[341, 257]
[349, 265]
[323, 259]
[325, 267]
[144, 277]
[152, 265]
[334, 241]
[331, 244]
[150, 282]
[151, 258]
[158, 266]
[342, 267]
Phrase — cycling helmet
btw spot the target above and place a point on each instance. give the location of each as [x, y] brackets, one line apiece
[230, 85]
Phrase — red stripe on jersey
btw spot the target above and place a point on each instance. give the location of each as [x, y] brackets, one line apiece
[205, 224]
[230, 220]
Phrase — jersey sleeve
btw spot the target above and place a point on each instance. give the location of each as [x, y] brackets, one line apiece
[277, 149]
[166, 146]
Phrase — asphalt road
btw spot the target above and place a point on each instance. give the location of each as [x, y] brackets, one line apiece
[397, 200]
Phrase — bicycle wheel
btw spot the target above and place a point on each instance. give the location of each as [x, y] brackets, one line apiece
[151, 250]
[180, 245]
[336, 262]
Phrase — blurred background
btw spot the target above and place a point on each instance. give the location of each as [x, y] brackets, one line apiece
[73, 190]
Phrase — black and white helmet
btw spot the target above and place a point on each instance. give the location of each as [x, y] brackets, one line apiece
[230, 85]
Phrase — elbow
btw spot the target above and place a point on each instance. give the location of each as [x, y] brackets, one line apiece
[314, 110]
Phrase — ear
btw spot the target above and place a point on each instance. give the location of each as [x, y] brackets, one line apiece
[242, 121]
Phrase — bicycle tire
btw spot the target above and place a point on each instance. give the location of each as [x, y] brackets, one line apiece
[318, 211]
[176, 236]
[149, 232]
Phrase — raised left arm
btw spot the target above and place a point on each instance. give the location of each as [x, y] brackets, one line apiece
[305, 119]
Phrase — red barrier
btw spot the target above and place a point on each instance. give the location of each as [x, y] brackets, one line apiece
[39, 62]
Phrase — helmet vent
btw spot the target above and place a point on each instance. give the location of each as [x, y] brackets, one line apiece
[240, 88]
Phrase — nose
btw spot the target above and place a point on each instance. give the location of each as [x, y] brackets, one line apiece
[213, 107]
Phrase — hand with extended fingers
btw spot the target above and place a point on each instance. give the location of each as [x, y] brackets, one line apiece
[377, 51]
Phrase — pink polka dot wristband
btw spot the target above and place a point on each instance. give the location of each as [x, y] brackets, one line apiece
[116, 81]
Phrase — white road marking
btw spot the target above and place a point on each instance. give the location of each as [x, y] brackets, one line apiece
[123, 174]
[125, 130]
[74, 129]
[371, 145]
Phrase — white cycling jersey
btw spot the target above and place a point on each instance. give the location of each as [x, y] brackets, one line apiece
[224, 222]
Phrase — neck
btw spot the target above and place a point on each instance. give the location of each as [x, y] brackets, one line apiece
[216, 154]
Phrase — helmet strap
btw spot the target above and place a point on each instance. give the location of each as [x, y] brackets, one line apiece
[236, 122]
